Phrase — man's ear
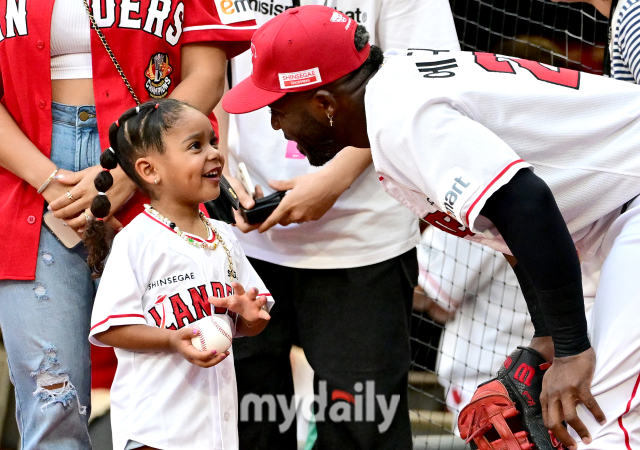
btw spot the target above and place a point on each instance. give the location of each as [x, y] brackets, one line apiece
[146, 170]
[324, 103]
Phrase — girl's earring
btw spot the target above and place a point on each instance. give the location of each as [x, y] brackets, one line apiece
[155, 181]
[330, 119]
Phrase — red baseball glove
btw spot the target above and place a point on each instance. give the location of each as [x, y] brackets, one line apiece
[505, 413]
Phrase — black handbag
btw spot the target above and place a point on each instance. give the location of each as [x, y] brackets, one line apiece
[222, 208]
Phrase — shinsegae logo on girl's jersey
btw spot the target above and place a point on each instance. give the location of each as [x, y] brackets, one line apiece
[158, 80]
[295, 79]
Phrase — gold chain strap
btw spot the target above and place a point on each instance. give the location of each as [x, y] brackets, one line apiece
[230, 272]
[94, 25]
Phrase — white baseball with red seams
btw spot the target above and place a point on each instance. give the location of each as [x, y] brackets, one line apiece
[214, 333]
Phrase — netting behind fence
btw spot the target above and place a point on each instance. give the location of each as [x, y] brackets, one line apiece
[472, 313]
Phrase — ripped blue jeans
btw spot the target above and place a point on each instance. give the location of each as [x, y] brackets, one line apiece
[45, 322]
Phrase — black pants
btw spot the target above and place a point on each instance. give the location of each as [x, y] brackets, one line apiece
[353, 325]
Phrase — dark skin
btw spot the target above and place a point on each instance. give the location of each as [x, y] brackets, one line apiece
[304, 117]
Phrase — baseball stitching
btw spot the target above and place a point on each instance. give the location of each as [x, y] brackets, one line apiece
[201, 336]
[221, 330]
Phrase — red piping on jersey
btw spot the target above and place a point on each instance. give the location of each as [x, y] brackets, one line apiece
[117, 316]
[620, 424]
[489, 186]
[195, 238]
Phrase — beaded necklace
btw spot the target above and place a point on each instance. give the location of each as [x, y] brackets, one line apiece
[200, 244]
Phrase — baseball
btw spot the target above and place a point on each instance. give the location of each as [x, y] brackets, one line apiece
[214, 333]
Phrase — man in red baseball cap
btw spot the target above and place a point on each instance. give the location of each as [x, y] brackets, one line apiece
[288, 60]
[455, 137]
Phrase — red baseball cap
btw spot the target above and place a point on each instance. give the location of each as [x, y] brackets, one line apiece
[301, 49]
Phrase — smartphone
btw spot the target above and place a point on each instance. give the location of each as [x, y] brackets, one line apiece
[243, 174]
[63, 233]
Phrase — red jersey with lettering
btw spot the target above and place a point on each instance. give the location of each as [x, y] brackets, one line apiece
[448, 129]
[145, 36]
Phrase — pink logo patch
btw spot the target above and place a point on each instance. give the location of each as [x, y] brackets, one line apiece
[293, 152]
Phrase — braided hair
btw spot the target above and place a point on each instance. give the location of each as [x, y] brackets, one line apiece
[137, 132]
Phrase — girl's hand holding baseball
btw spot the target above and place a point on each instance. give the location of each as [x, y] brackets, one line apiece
[180, 342]
[250, 306]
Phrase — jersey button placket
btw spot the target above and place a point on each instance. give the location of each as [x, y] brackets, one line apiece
[31, 220]
[40, 44]
[42, 104]
[227, 416]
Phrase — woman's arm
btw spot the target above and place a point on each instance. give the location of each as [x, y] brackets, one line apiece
[22, 158]
[203, 72]
[146, 339]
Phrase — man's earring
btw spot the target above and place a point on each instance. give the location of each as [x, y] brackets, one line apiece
[330, 119]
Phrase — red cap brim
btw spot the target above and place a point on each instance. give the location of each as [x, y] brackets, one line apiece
[247, 97]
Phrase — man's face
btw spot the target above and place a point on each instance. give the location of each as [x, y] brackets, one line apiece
[315, 138]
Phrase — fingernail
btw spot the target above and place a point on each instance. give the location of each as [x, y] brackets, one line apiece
[64, 224]
[195, 331]
[586, 440]
[602, 422]
[49, 207]
[214, 352]
[58, 177]
[223, 356]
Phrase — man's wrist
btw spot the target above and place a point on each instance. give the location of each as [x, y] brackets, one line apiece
[564, 315]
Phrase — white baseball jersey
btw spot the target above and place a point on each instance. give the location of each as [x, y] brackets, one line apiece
[364, 226]
[153, 277]
[448, 129]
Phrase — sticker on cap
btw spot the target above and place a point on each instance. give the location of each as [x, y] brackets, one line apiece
[297, 79]
[234, 11]
[337, 17]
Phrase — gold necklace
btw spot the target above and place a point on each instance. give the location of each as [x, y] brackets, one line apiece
[199, 244]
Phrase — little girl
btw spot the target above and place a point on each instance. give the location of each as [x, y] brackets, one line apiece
[165, 270]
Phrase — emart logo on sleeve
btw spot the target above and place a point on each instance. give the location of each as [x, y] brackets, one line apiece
[234, 11]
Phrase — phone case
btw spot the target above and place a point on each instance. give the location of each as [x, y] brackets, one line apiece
[222, 207]
[62, 233]
[263, 208]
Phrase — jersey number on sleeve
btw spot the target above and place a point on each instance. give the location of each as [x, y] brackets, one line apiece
[562, 77]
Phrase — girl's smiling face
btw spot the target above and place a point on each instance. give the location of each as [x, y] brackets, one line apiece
[189, 170]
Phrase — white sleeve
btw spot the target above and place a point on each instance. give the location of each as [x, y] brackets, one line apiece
[444, 155]
[119, 297]
[417, 24]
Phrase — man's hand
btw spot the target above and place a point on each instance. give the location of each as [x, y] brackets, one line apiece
[566, 383]
[310, 196]
[180, 342]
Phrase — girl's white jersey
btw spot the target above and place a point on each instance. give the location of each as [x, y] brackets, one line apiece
[448, 129]
[153, 277]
